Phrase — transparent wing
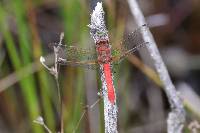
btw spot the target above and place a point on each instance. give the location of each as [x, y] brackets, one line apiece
[132, 42]
[90, 64]
[75, 56]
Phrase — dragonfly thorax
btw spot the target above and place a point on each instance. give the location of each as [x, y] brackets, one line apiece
[103, 51]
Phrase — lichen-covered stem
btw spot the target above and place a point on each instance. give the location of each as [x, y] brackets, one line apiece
[99, 32]
[110, 109]
[176, 117]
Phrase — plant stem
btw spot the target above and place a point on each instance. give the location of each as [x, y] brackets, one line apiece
[48, 130]
[99, 32]
[176, 117]
[56, 73]
[60, 105]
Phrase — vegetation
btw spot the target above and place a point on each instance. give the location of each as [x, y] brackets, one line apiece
[27, 90]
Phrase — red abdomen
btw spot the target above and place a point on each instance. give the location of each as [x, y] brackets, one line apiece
[109, 82]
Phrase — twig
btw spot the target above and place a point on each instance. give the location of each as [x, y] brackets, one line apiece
[61, 106]
[99, 32]
[176, 117]
[55, 72]
[40, 121]
[84, 112]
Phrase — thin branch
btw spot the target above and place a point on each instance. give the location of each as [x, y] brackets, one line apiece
[60, 105]
[176, 117]
[84, 112]
[41, 122]
[55, 72]
[95, 103]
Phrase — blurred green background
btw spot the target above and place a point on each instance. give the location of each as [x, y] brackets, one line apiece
[27, 90]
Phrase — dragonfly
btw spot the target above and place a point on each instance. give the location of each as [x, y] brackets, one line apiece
[103, 55]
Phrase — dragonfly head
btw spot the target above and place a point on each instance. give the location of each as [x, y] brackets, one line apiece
[102, 42]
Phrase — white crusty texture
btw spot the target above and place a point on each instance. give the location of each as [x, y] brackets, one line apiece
[97, 26]
[98, 32]
[110, 110]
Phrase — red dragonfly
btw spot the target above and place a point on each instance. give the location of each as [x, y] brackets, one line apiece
[104, 55]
